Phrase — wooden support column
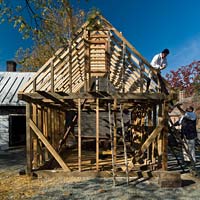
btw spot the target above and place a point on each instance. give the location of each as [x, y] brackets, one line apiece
[79, 135]
[45, 131]
[29, 152]
[160, 136]
[40, 126]
[49, 131]
[124, 141]
[55, 128]
[52, 128]
[165, 137]
[112, 145]
[115, 130]
[97, 134]
[35, 139]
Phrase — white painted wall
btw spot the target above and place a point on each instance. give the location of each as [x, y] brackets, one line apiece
[4, 134]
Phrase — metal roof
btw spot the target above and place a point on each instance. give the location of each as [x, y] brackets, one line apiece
[10, 83]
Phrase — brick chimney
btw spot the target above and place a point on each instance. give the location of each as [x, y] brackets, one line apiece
[11, 66]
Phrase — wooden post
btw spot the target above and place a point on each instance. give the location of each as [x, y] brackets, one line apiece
[112, 144]
[40, 126]
[160, 136]
[97, 134]
[165, 137]
[79, 135]
[49, 131]
[45, 131]
[124, 141]
[28, 140]
[35, 139]
[150, 124]
[52, 128]
[115, 130]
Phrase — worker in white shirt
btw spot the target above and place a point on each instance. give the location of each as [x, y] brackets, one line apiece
[159, 62]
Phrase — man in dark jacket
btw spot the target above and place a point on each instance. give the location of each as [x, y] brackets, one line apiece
[189, 132]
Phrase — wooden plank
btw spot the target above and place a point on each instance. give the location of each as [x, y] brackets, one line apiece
[152, 97]
[35, 140]
[165, 137]
[28, 140]
[115, 130]
[124, 142]
[48, 146]
[70, 68]
[40, 126]
[96, 42]
[152, 137]
[45, 131]
[97, 134]
[79, 135]
[112, 143]
[99, 36]
[52, 76]
[55, 98]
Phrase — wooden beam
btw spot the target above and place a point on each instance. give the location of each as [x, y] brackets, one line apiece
[48, 146]
[152, 137]
[28, 140]
[124, 142]
[52, 76]
[55, 98]
[79, 135]
[112, 143]
[34, 138]
[97, 134]
[165, 137]
[115, 130]
[70, 67]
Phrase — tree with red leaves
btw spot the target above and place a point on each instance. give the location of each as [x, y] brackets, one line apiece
[186, 78]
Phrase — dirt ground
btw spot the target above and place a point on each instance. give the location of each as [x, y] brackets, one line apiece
[57, 185]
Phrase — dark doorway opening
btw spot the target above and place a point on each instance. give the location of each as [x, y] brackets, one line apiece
[17, 130]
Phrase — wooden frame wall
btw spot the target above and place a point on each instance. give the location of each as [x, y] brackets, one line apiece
[46, 130]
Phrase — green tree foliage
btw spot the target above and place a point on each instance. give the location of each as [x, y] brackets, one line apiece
[186, 78]
[49, 23]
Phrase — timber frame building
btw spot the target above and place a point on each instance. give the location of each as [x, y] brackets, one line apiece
[87, 108]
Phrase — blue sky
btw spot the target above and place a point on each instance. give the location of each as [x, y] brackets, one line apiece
[149, 25]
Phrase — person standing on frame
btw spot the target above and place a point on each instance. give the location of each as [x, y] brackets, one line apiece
[159, 62]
